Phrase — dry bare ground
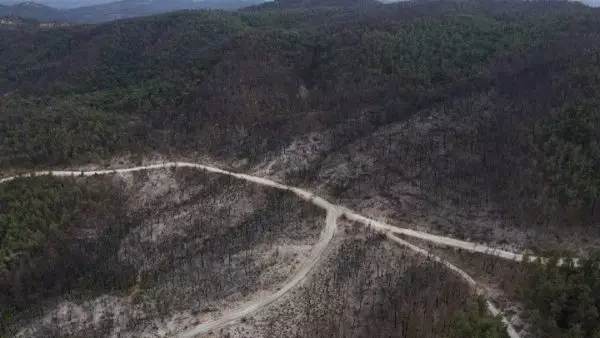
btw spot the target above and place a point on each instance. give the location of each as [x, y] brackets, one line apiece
[365, 286]
[202, 243]
[382, 227]
[435, 172]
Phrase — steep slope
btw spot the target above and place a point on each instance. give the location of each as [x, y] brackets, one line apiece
[478, 322]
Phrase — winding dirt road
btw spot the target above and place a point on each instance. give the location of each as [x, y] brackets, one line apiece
[253, 307]
[440, 240]
[333, 213]
[512, 333]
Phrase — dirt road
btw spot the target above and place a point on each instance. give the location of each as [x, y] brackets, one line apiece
[333, 213]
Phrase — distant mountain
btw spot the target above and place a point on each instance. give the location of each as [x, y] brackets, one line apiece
[115, 10]
[134, 8]
[60, 4]
[32, 10]
[290, 4]
[64, 4]
[226, 4]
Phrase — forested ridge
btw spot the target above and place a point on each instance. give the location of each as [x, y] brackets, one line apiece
[473, 105]
[110, 10]
[244, 84]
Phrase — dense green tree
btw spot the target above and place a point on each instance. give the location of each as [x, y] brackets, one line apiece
[568, 161]
[563, 300]
[476, 322]
[58, 236]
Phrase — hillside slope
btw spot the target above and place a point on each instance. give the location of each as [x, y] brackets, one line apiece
[477, 120]
[457, 106]
[135, 254]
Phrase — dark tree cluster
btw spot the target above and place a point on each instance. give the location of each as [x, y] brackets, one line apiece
[59, 236]
[564, 300]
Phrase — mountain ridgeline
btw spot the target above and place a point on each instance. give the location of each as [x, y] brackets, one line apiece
[105, 11]
[113, 10]
[512, 87]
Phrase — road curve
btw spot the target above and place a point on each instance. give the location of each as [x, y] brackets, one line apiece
[440, 240]
[451, 242]
[333, 213]
[512, 333]
[253, 307]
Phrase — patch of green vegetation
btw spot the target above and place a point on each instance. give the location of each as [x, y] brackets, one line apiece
[59, 235]
[563, 301]
[34, 209]
[224, 82]
[567, 156]
[476, 322]
[56, 131]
